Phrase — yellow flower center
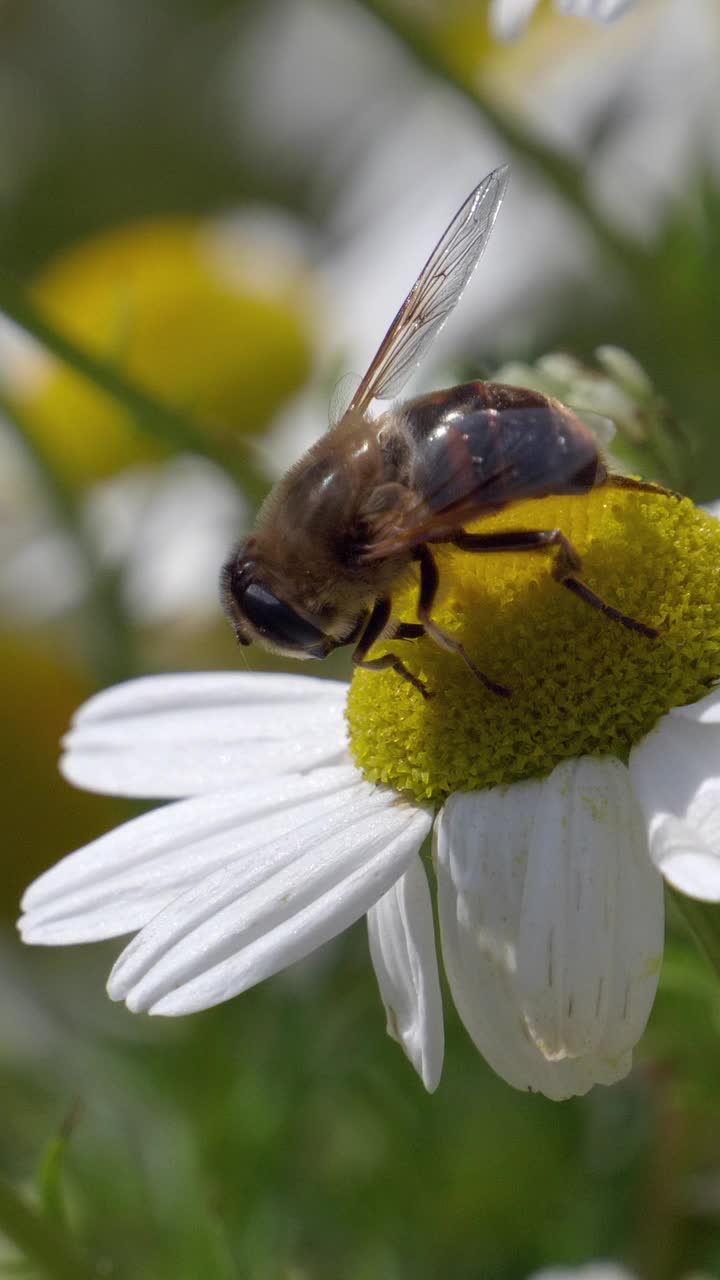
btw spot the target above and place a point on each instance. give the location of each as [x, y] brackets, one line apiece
[581, 683]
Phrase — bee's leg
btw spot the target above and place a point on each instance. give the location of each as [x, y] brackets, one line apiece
[429, 579]
[376, 624]
[616, 481]
[567, 563]
[409, 631]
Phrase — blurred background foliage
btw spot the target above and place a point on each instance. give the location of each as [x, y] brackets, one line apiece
[209, 210]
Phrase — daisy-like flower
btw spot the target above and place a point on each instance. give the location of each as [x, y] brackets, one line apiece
[508, 17]
[557, 812]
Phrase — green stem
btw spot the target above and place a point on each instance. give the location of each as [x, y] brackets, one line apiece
[555, 167]
[110, 633]
[38, 1240]
[149, 415]
[702, 920]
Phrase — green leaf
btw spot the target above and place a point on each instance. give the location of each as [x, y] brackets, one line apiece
[50, 1172]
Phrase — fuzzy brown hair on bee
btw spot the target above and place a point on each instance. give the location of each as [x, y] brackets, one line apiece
[343, 529]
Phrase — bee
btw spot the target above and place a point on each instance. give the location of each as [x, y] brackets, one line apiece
[369, 500]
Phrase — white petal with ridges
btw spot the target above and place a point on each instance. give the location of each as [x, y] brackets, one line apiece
[402, 946]
[119, 882]
[553, 980]
[566, 915]
[481, 848]
[675, 771]
[182, 735]
[586, 969]
[243, 923]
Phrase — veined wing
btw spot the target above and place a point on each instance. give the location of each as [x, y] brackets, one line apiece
[435, 294]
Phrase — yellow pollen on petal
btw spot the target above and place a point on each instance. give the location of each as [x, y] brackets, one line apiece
[582, 684]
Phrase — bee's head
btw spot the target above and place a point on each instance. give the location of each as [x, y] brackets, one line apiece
[257, 610]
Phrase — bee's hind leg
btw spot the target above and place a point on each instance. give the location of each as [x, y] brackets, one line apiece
[566, 564]
[616, 481]
[429, 579]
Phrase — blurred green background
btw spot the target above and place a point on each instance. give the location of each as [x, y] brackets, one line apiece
[224, 202]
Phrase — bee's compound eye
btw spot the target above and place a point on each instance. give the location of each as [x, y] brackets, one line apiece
[277, 623]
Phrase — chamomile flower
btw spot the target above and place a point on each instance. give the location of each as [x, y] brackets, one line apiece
[558, 813]
[508, 17]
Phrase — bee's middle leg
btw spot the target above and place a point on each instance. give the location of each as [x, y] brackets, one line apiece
[566, 564]
[429, 579]
[376, 624]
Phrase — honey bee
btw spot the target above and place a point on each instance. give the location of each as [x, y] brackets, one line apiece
[342, 529]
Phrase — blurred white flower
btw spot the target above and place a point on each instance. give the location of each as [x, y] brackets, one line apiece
[412, 149]
[41, 573]
[164, 529]
[600, 1271]
[549, 892]
[590, 1271]
[508, 17]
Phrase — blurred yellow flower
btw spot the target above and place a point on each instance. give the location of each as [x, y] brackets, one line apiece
[215, 324]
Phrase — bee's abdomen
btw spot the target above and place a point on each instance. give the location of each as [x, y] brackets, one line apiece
[494, 444]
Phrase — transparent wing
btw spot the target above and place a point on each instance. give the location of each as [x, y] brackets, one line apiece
[343, 394]
[435, 294]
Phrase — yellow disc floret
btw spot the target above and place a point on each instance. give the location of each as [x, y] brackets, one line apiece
[581, 683]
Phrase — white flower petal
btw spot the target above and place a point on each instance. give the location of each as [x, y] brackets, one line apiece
[706, 710]
[117, 883]
[481, 851]
[675, 771]
[639, 928]
[566, 916]
[402, 947]
[587, 851]
[181, 735]
[591, 1271]
[685, 860]
[508, 17]
[243, 923]
[600, 10]
[553, 977]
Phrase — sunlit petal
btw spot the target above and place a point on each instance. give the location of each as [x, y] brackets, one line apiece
[119, 882]
[244, 922]
[181, 735]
